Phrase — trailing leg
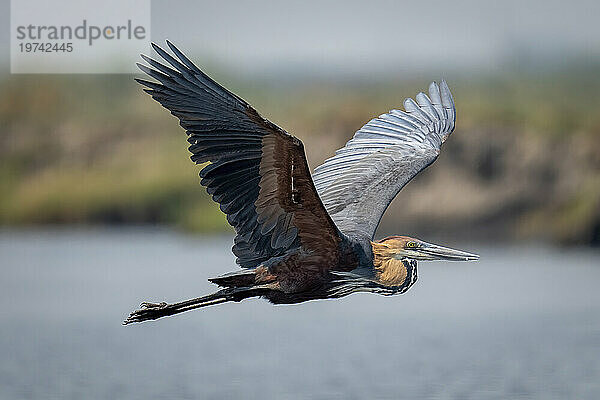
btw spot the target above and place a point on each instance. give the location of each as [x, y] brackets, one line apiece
[150, 311]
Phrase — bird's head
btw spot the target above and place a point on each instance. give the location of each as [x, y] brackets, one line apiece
[406, 247]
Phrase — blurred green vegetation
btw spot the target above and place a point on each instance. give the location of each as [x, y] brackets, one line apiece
[525, 161]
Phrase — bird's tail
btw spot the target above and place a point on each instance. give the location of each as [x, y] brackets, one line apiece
[150, 311]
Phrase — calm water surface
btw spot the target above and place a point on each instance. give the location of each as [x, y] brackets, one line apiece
[523, 323]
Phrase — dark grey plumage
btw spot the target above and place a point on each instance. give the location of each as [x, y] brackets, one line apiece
[226, 131]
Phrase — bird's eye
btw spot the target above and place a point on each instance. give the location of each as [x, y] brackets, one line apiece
[411, 244]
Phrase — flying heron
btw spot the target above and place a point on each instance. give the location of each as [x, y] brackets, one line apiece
[301, 237]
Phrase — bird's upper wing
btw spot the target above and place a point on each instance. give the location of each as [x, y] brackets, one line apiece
[359, 182]
[257, 173]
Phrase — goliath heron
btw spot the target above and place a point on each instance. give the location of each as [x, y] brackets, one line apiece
[301, 237]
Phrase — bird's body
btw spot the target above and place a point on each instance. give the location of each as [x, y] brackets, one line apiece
[302, 237]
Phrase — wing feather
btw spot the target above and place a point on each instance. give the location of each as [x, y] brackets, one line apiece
[256, 171]
[359, 182]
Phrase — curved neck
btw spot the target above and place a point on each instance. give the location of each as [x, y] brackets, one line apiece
[391, 271]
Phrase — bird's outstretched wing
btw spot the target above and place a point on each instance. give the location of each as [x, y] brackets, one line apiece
[360, 181]
[257, 173]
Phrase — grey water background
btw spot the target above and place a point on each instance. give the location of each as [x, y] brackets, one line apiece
[522, 323]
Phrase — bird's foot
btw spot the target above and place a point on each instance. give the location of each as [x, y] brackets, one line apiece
[147, 312]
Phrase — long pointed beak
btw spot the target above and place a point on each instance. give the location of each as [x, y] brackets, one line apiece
[435, 252]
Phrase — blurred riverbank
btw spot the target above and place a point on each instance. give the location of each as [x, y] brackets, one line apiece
[523, 163]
